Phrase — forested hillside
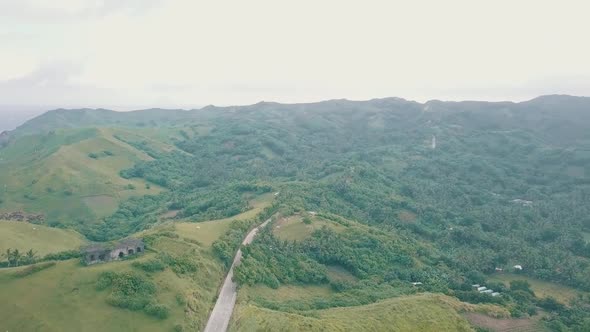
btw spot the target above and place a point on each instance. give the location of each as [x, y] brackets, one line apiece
[442, 193]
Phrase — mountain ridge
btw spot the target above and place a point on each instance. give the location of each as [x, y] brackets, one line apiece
[90, 116]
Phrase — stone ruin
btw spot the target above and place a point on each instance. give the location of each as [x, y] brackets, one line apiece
[99, 252]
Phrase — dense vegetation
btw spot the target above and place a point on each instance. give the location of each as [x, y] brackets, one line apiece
[451, 191]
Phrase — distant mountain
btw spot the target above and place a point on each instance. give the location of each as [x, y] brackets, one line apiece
[79, 118]
[559, 118]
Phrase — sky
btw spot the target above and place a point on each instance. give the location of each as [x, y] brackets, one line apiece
[135, 54]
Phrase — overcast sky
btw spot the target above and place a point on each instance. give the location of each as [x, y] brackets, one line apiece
[156, 53]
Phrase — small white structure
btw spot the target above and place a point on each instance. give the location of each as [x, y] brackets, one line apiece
[487, 291]
[417, 283]
[481, 289]
[522, 202]
[494, 294]
[475, 286]
[518, 267]
[499, 269]
[277, 193]
[313, 213]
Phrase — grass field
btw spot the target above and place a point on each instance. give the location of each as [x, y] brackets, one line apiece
[424, 312]
[338, 273]
[55, 174]
[208, 231]
[586, 236]
[42, 239]
[541, 288]
[528, 324]
[293, 228]
[64, 297]
[284, 292]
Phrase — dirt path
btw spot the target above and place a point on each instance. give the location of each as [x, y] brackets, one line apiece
[221, 314]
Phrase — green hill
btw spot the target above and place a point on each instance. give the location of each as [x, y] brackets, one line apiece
[440, 193]
[72, 176]
[42, 239]
[66, 297]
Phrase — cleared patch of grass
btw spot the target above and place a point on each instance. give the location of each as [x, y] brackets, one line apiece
[42, 239]
[424, 312]
[203, 232]
[208, 231]
[586, 236]
[541, 288]
[101, 205]
[338, 273]
[294, 229]
[529, 324]
[407, 216]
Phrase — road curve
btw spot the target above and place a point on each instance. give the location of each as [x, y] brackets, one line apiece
[221, 314]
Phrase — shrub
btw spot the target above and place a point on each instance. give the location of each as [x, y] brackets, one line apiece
[180, 299]
[521, 285]
[93, 155]
[107, 153]
[180, 265]
[157, 310]
[128, 289]
[62, 255]
[33, 269]
[151, 265]
[550, 304]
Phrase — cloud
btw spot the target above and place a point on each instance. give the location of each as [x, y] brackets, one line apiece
[187, 52]
[59, 10]
[51, 84]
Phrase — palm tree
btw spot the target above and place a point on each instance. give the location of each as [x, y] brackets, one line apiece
[30, 256]
[8, 255]
[16, 257]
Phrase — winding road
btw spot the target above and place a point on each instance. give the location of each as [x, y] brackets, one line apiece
[221, 314]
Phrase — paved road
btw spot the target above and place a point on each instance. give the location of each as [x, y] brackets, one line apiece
[219, 319]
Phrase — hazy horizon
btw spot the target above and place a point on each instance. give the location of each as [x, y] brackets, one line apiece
[182, 54]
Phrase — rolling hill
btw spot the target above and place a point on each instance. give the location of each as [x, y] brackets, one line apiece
[367, 206]
[72, 175]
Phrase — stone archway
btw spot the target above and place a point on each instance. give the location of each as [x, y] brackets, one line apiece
[121, 254]
[138, 249]
[130, 251]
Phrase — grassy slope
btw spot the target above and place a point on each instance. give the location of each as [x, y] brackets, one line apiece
[54, 175]
[208, 231]
[424, 312]
[42, 239]
[64, 298]
[293, 229]
[541, 288]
